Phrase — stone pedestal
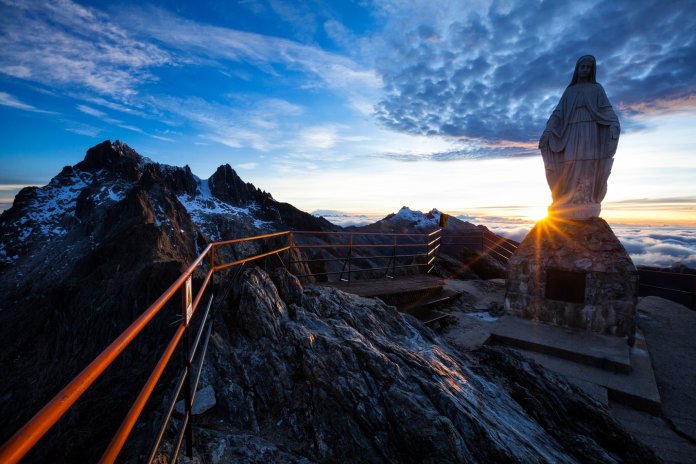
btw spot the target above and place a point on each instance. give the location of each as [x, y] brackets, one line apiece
[574, 274]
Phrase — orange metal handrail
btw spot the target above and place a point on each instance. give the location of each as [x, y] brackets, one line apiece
[249, 239]
[26, 437]
[246, 260]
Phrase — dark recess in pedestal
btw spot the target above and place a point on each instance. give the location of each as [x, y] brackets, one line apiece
[568, 286]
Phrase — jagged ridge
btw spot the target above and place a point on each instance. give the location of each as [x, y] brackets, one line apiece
[83, 256]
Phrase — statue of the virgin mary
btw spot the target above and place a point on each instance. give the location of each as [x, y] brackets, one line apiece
[578, 145]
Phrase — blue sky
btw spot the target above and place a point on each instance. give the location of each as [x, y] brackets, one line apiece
[359, 106]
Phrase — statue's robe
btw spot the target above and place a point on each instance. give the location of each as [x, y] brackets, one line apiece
[579, 154]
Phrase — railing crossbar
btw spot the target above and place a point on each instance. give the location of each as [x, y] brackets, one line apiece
[314, 274]
[204, 319]
[165, 420]
[354, 245]
[253, 258]
[674, 290]
[355, 258]
[180, 438]
[199, 371]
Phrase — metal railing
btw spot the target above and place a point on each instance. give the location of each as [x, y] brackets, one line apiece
[678, 287]
[405, 250]
[423, 247]
[484, 242]
[25, 439]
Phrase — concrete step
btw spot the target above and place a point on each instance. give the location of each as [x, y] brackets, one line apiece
[605, 352]
[636, 389]
[433, 317]
[420, 305]
[586, 358]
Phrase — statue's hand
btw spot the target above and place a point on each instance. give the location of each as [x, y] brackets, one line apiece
[544, 140]
[615, 132]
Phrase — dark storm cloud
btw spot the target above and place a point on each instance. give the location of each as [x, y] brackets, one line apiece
[494, 73]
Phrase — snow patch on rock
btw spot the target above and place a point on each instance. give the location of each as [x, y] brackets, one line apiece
[204, 205]
[418, 218]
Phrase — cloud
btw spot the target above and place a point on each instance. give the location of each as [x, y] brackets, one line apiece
[344, 219]
[468, 150]
[83, 129]
[112, 105]
[197, 42]
[300, 16]
[12, 187]
[319, 137]
[258, 123]
[651, 203]
[660, 247]
[494, 71]
[66, 44]
[8, 100]
[511, 231]
[91, 111]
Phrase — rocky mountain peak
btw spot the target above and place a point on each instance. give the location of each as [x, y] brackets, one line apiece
[226, 185]
[115, 157]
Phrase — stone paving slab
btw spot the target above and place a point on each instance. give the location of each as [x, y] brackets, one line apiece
[670, 336]
[656, 433]
[606, 352]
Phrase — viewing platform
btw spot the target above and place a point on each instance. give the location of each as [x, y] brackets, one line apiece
[411, 294]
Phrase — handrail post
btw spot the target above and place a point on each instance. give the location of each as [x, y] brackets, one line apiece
[186, 301]
[212, 258]
[394, 258]
[427, 251]
[291, 245]
[350, 254]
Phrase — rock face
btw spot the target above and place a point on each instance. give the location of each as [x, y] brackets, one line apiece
[339, 378]
[574, 274]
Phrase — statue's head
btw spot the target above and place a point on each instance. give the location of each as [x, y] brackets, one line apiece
[585, 69]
